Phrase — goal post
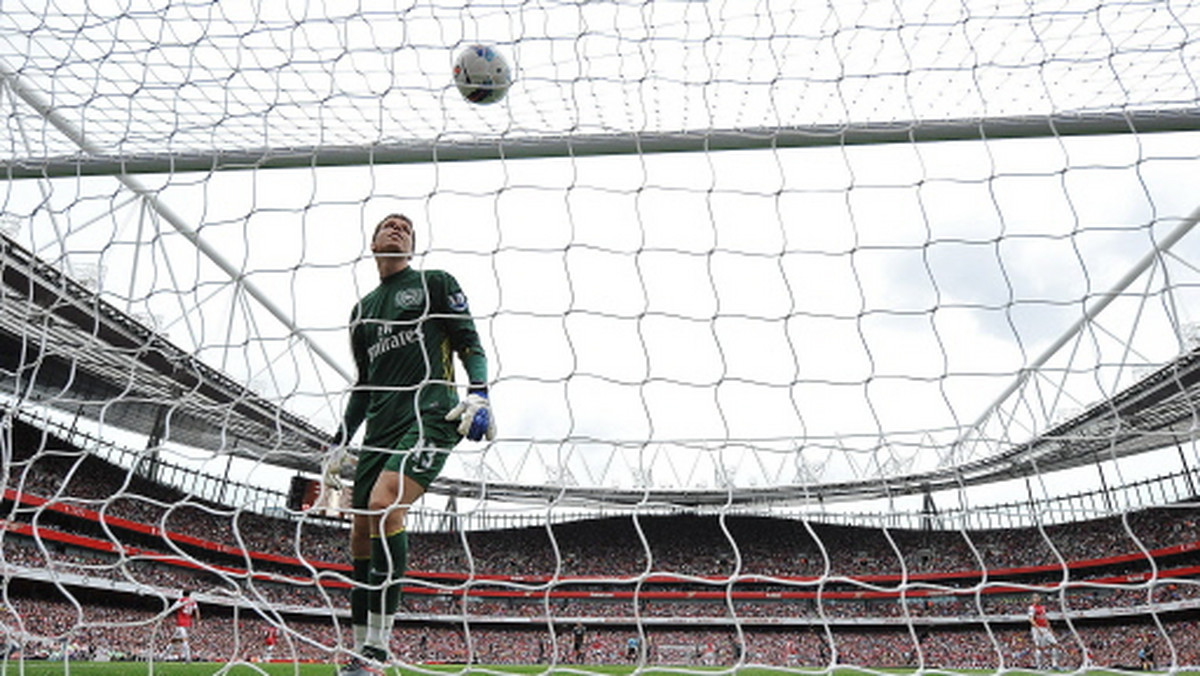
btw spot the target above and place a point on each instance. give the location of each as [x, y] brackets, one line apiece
[589, 145]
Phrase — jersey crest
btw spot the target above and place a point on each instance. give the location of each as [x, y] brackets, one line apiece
[409, 298]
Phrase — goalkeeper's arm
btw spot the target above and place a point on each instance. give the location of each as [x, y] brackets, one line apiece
[337, 457]
[474, 413]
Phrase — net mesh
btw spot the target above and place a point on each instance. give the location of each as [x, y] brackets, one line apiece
[818, 334]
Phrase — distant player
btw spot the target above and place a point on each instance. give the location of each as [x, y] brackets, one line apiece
[709, 655]
[270, 639]
[187, 613]
[1041, 633]
[578, 633]
[1146, 656]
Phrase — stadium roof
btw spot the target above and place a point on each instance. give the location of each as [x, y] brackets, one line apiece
[63, 345]
[1160, 410]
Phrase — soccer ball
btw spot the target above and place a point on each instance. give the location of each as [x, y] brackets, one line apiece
[481, 74]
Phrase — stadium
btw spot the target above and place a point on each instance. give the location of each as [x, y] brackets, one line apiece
[818, 337]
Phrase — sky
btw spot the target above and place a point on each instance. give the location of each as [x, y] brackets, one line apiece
[694, 320]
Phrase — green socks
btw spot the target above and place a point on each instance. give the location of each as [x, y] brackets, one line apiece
[389, 559]
[359, 601]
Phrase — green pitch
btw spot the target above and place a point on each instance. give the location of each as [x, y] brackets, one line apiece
[38, 668]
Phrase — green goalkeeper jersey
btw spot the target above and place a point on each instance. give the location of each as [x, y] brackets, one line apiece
[404, 335]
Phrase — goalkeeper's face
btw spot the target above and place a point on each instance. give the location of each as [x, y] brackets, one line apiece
[393, 235]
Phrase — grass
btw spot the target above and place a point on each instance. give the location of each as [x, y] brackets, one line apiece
[40, 668]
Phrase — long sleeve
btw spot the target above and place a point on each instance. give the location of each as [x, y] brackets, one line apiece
[464, 338]
[360, 397]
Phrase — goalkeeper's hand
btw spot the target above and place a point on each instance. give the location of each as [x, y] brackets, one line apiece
[475, 416]
[337, 459]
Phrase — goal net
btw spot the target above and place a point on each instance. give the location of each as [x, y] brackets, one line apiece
[817, 333]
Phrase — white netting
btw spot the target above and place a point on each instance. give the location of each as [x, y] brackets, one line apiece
[149, 78]
[914, 265]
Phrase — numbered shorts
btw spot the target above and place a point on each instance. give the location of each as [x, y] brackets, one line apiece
[422, 459]
[1043, 636]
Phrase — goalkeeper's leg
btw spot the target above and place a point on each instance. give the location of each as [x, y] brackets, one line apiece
[360, 552]
[392, 549]
[391, 496]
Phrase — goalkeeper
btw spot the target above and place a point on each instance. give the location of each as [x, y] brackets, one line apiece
[402, 334]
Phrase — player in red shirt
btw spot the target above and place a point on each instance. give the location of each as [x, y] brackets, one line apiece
[270, 639]
[187, 613]
[1043, 635]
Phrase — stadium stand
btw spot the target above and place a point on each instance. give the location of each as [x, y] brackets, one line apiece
[95, 556]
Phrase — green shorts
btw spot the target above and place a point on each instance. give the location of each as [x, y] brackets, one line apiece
[420, 459]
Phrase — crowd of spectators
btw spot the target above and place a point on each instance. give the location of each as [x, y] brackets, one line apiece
[46, 629]
[690, 588]
[618, 547]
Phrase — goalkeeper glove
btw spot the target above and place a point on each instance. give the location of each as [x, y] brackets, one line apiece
[336, 460]
[475, 416]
